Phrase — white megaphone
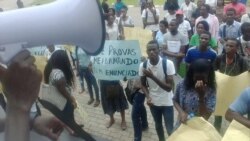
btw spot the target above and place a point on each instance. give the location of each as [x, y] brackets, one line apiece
[74, 22]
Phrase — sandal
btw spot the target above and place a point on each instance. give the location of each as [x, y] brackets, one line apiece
[97, 102]
[110, 123]
[123, 125]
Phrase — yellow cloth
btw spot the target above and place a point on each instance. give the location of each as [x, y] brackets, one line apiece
[228, 89]
[40, 62]
[237, 132]
[142, 35]
[196, 129]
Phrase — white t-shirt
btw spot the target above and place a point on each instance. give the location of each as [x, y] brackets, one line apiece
[150, 18]
[169, 17]
[159, 96]
[113, 32]
[128, 21]
[188, 9]
[212, 3]
[245, 18]
[184, 27]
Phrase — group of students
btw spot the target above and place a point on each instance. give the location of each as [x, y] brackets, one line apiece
[191, 34]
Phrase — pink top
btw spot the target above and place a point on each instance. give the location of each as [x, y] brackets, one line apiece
[213, 23]
[239, 8]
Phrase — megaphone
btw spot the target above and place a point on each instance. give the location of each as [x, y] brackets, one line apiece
[73, 22]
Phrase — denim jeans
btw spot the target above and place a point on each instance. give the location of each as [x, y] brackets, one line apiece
[139, 115]
[91, 81]
[168, 114]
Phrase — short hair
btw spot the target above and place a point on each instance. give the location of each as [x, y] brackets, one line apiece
[208, 33]
[231, 9]
[205, 24]
[153, 42]
[165, 23]
[235, 40]
[244, 27]
[207, 7]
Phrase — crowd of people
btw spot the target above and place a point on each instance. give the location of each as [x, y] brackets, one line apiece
[189, 33]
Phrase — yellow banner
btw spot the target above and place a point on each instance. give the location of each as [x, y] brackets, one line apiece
[237, 132]
[142, 35]
[196, 129]
[228, 89]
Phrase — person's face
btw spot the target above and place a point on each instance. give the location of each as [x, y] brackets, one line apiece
[246, 33]
[200, 77]
[179, 18]
[230, 15]
[162, 28]
[150, 5]
[231, 47]
[200, 28]
[204, 39]
[203, 10]
[123, 12]
[172, 26]
[111, 20]
[152, 51]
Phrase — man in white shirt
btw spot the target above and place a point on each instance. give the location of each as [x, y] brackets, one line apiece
[184, 26]
[159, 90]
[150, 17]
[188, 8]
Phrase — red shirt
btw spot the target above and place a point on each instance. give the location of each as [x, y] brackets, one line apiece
[239, 8]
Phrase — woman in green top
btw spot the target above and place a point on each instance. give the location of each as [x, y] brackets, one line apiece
[200, 28]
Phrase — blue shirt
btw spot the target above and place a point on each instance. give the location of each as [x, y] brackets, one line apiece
[230, 31]
[242, 104]
[194, 53]
[159, 37]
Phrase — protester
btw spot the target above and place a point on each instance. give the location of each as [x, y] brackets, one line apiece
[203, 51]
[174, 44]
[188, 8]
[105, 8]
[230, 63]
[245, 18]
[239, 108]
[126, 20]
[170, 15]
[119, 4]
[160, 34]
[113, 30]
[58, 73]
[231, 28]
[159, 90]
[21, 97]
[143, 4]
[112, 94]
[150, 17]
[245, 41]
[201, 27]
[196, 94]
[196, 13]
[84, 68]
[212, 20]
[184, 26]
[239, 8]
[139, 113]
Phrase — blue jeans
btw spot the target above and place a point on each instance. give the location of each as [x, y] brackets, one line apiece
[139, 115]
[168, 114]
[91, 81]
